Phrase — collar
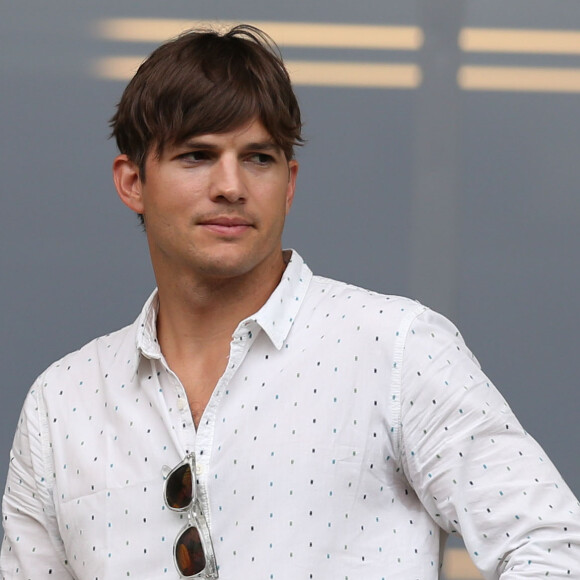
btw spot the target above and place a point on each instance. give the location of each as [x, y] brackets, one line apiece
[146, 339]
[275, 317]
[278, 313]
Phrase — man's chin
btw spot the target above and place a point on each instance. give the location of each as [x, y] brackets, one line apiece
[231, 265]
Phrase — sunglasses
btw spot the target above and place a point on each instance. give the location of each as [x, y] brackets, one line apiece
[193, 550]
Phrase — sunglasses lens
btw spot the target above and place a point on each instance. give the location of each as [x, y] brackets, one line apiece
[189, 553]
[178, 488]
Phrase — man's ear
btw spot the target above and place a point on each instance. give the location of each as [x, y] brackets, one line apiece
[128, 183]
[291, 187]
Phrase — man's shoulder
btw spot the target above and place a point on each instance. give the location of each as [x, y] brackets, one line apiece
[106, 351]
[328, 288]
[379, 313]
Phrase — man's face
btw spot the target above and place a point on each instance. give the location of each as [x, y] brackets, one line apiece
[215, 205]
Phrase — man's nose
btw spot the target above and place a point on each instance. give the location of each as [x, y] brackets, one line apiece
[227, 180]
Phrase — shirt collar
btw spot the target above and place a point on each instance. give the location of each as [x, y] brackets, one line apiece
[275, 317]
[146, 338]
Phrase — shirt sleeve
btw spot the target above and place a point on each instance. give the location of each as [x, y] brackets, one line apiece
[473, 466]
[32, 548]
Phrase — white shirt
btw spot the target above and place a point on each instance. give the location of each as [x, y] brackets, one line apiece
[350, 433]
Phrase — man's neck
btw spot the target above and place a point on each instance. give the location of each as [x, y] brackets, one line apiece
[195, 314]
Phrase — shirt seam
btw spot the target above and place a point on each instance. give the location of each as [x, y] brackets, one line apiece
[397, 376]
[47, 498]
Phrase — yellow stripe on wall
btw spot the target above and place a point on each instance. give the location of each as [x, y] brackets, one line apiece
[116, 68]
[354, 74]
[521, 79]
[520, 41]
[305, 34]
[313, 73]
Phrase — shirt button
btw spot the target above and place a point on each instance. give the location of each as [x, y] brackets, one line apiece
[181, 404]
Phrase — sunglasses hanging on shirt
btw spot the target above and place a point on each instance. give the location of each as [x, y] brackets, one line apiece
[193, 549]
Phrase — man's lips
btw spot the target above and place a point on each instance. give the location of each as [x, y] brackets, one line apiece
[226, 225]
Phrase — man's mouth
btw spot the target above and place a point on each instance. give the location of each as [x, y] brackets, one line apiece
[226, 225]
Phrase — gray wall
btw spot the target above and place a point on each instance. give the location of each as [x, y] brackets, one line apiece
[467, 200]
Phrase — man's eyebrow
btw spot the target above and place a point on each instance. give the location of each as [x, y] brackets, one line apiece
[196, 143]
[200, 143]
[263, 146]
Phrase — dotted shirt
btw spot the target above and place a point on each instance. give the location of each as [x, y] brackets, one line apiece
[349, 435]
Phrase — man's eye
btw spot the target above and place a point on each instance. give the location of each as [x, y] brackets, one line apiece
[193, 156]
[261, 158]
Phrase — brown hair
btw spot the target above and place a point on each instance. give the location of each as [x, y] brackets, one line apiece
[207, 82]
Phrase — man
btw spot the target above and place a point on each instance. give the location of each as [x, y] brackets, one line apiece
[257, 421]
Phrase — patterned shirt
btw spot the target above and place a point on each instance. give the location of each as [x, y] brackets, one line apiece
[349, 435]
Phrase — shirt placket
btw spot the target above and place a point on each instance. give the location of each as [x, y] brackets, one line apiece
[240, 344]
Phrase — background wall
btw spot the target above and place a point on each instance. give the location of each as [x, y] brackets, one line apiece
[451, 176]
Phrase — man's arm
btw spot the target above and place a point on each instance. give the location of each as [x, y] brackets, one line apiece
[31, 548]
[475, 469]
